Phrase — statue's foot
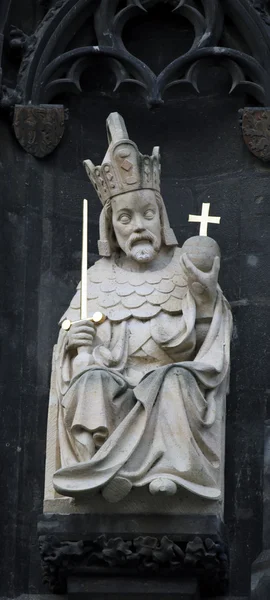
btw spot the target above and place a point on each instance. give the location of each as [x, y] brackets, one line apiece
[117, 489]
[162, 485]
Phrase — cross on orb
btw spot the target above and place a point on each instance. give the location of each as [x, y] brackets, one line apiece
[204, 218]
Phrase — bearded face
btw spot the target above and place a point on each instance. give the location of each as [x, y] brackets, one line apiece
[136, 223]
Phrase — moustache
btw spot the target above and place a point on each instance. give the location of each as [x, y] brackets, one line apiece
[145, 237]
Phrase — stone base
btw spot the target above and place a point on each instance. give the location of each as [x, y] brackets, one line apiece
[101, 551]
[83, 587]
[138, 501]
[88, 526]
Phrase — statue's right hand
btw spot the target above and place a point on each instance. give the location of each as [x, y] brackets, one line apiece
[81, 334]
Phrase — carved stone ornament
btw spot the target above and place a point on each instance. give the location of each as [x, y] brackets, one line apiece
[263, 8]
[39, 129]
[256, 131]
[52, 62]
[145, 555]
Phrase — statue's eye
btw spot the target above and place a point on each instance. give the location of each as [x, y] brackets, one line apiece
[124, 218]
[149, 214]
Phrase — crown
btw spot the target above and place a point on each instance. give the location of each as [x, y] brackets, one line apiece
[124, 168]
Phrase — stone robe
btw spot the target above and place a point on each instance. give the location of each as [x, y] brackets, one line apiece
[153, 402]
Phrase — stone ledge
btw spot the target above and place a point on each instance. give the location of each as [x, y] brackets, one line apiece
[88, 526]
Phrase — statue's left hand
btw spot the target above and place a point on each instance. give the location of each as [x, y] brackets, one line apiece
[202, 285]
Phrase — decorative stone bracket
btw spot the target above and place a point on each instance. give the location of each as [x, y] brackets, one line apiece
[174, 547]
[52, 63]
[204, 560]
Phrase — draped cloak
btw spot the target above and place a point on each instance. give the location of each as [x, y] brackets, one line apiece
[157, 401]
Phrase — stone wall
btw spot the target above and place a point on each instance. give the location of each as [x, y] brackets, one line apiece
[204, 159]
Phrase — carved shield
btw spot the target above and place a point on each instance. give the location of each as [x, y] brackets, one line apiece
[256, 131]
[39, 129]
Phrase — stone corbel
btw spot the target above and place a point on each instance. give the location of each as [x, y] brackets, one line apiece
[175, 558]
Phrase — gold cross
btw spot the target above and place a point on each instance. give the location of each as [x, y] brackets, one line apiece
[204, 218]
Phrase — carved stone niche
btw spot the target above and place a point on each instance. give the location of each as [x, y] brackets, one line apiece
[52, 63]
[142, 553]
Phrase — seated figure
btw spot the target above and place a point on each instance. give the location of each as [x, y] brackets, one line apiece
[141, 396]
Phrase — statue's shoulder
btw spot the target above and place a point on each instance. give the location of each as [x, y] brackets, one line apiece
[102, 269]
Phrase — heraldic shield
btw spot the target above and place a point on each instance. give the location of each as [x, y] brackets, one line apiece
[39, 129]
[256, 131]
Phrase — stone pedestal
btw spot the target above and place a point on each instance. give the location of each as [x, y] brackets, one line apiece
[144, 556]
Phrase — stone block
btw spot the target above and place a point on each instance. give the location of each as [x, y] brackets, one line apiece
[97, 588]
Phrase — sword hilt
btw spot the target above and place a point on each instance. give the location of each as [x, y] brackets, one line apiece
[96, 318]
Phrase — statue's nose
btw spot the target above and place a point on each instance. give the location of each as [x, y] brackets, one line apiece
[138, 225]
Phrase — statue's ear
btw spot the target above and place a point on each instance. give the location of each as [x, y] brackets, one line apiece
[104, 247]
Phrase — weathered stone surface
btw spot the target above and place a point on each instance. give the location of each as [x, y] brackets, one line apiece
[255, 127]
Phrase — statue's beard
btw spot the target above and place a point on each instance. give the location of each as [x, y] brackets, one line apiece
[142, 247]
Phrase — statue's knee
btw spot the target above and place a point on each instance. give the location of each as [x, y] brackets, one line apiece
[103, 376]
[97, 375]
[183, 373]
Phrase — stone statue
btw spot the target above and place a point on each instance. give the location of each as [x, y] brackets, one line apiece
[146, 404]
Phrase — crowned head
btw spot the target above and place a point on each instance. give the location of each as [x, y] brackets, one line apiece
[134, 217]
